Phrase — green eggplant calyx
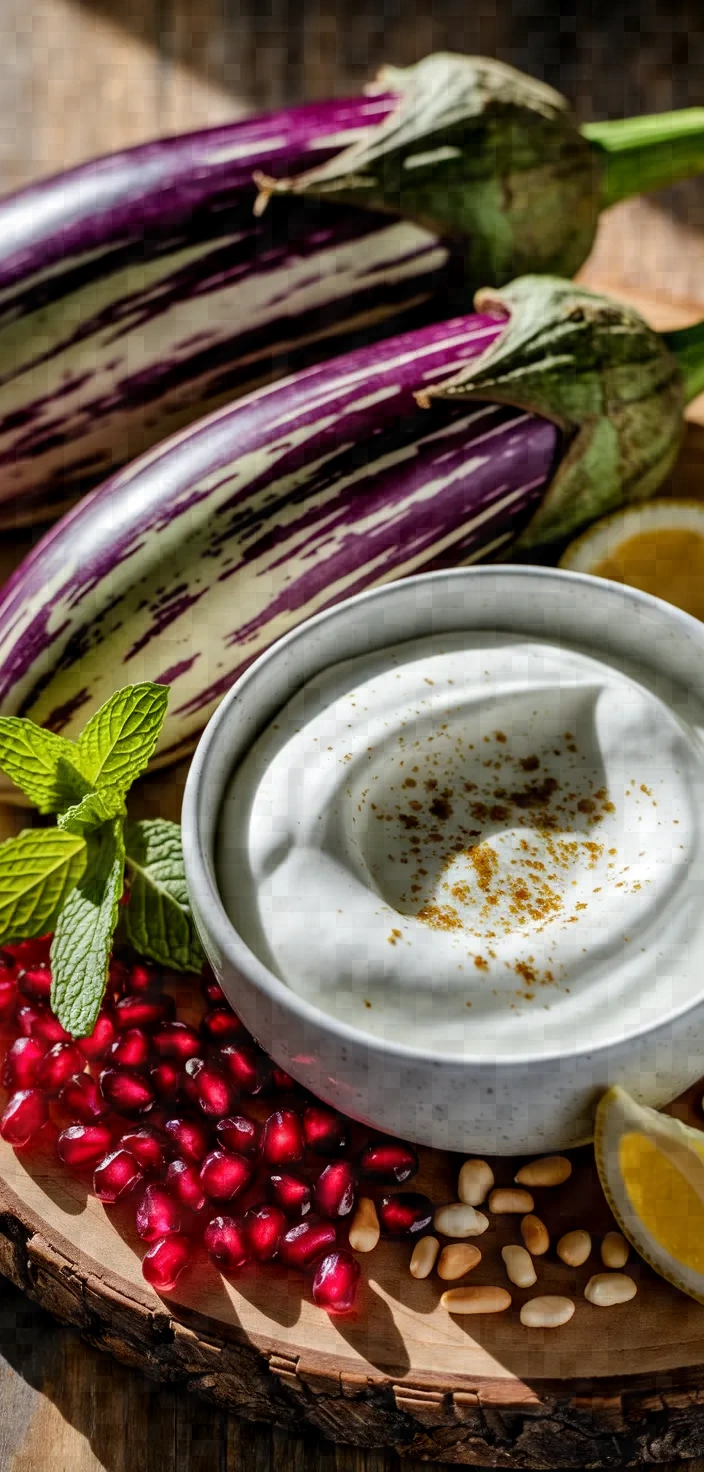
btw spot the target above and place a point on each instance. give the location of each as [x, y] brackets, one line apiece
[477, 151]
[595, 369]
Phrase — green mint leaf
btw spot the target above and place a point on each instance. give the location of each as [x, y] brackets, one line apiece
[82, 943]
[41, 764]
[95, 808]
[158, 919]
[119, 739]
[38, 871]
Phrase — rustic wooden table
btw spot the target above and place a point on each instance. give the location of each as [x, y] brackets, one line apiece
[82, 77]
[67, 1407]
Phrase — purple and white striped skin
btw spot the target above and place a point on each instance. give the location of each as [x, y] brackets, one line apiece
[185, 566]
[139, 291]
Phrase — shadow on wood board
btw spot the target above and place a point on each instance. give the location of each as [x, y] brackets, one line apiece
[610, 58]
[80, 77]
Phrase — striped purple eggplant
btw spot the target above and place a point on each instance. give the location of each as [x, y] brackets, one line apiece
[139, 291]
[184, 567]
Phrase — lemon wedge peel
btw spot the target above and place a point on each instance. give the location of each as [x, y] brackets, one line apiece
[675, 1155]
[657, 546]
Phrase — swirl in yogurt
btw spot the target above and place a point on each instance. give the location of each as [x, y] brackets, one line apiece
[474, 845]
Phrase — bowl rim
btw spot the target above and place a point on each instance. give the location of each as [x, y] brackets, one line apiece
[202, 882]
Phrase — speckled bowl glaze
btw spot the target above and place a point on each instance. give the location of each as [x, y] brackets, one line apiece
[469, 1103]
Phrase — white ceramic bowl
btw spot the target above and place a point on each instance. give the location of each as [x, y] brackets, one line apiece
[473, 1104]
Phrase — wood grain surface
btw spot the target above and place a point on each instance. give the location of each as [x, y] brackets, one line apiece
[82, 77]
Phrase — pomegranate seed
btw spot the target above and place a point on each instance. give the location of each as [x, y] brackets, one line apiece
[223, 1175]
[98, 1044]
[291, 1192]
[176, 1040]
[264, 1227]
[157, 1214]
[302, 1244]
[281, 1079]
[211, 990]
[83, 1144]
[144, 979]
[8, 998]
[190, 1138]
[167, 1079]
[389, 1161]
[115, 1176]
[226, 1243]
[39, 1022]
[192, 1068]
[208, 1088]
[22, 1060]
[35, 983]
[119, 975]
[130, 1049]
[405, 1215]
[283, 1142]
[335, 1282]
[33, 952]
[239, 1134]
[148, 1149]
[335, 1191]
[126, 1093]
[248, 1069]
[165, 1260]
[222, 1025]
[146, 1012]
[58, 1066]
[183, 1180]
[323, 1129]
[255, 1194]
[82, 1099]
[27, 1018]
[25, 1114]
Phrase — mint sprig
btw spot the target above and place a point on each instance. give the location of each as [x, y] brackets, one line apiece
[70, 879]
[93, 809]
[119, 739]
[80, 950]
[38, 870]
[41, 763]
[158, 918]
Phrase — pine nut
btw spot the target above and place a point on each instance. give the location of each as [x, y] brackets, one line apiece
[551, 1170]
[574, 1248]
[457, 1259]
[519, 1266]
[365, 1230]
[606, 1289]
[508, 1199]
[614, 1250]
[548, 1312]
[535, 1235]
[423, 1258]
[476, 1179]
[476, 1300]
[459, 1220]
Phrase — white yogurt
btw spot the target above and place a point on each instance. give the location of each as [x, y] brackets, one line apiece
[479, 845]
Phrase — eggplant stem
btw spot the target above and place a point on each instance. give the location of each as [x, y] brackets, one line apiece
[639, 155]
[687, 346]
[266, 187]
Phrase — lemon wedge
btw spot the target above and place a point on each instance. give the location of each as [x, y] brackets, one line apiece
[651, 1169]
[657, 546]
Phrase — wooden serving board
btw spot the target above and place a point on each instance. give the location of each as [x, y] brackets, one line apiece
[624, 1385]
